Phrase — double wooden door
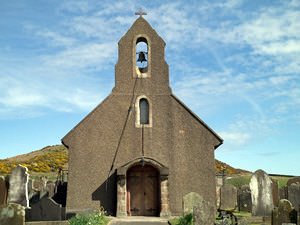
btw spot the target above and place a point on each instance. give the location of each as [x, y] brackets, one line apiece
[142, 191]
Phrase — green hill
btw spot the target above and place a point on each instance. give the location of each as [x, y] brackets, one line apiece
[51, 158]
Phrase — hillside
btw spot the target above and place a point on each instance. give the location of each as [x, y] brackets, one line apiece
[50, 158]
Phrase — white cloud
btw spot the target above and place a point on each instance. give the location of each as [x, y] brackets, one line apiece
[235, 138]
[55, 38]
[83, 56]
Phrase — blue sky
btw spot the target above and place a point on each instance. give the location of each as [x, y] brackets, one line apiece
[235, 63]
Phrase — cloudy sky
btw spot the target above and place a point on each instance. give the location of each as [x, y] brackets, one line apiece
[235, 63]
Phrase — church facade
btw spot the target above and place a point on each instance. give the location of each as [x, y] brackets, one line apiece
[141, 150]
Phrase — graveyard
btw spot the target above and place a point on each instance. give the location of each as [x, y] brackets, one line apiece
[142, 157]
[252, 197]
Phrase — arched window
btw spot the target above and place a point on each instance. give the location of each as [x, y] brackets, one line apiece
[144, 111]
[142, 54]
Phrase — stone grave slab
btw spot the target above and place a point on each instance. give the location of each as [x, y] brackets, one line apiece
[204, 213]
[12, 214]
[261, 194]
[228, 196]
[244, 199]
[294, 195]
[3, 191]
[284, 213]
[18, 186]
[189, 201]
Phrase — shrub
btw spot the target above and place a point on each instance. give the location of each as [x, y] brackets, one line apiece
[183, 220]
[96, 218]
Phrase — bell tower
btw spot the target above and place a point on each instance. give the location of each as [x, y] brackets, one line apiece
[141, 66]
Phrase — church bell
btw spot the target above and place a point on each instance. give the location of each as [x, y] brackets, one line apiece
[142, 57]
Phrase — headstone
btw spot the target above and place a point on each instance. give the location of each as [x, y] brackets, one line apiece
[3, 191]
[12, 214]
[283, 193]
[45, 210]
[261, 194]
[228, 195]
[219, 183]
[189, 201]
[294, 194]
[18, 189]
[204, 213]
[284, 213]
[275, 192]
[293, 180]
[50, 188]
[244, 199]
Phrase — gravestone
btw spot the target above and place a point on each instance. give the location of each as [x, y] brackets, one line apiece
[12, 214]
[3, 191]
[261, 194]
[45, 210]
[244, 199]
[293, 180]
[18, 189]
[294, 194]
[204, 213]
[275, 192]
[50, 189]
[40, 186]
[189, 201]
[283, 193]
[284, 213]
[228, 196]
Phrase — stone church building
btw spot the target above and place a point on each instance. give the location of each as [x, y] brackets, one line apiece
[141, 150]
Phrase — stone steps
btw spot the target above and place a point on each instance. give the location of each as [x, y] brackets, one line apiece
[138, 221]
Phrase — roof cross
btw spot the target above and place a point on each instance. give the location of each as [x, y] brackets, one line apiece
[140, 12]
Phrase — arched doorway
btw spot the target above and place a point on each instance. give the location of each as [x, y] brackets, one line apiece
[143, 191]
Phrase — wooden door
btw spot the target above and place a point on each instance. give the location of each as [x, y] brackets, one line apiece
[142, 191]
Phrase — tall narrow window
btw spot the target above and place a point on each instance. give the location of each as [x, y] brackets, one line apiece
[144, 111]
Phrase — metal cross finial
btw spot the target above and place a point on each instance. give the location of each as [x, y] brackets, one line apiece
[140, 12]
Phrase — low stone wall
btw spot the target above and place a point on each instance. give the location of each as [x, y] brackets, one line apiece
[48, 223]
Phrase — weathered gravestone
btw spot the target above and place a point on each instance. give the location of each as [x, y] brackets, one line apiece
[12, 214]
[50, 189]
[3, 191]
[293, 180]
[204, 213]
[244, 199]
[261, 194]
[283, 193]
[275, 192]
[294, 194]
[18, 189]
[189, 201]
[228, 196]
[40, 186]
[45, 210]
[284, 213]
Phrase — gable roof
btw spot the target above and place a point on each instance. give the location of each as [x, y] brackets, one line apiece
[199, 120]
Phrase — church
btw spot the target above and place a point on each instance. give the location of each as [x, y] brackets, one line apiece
[141, 150]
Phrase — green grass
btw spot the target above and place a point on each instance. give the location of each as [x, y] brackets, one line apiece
[239, 181]
[282, 181]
